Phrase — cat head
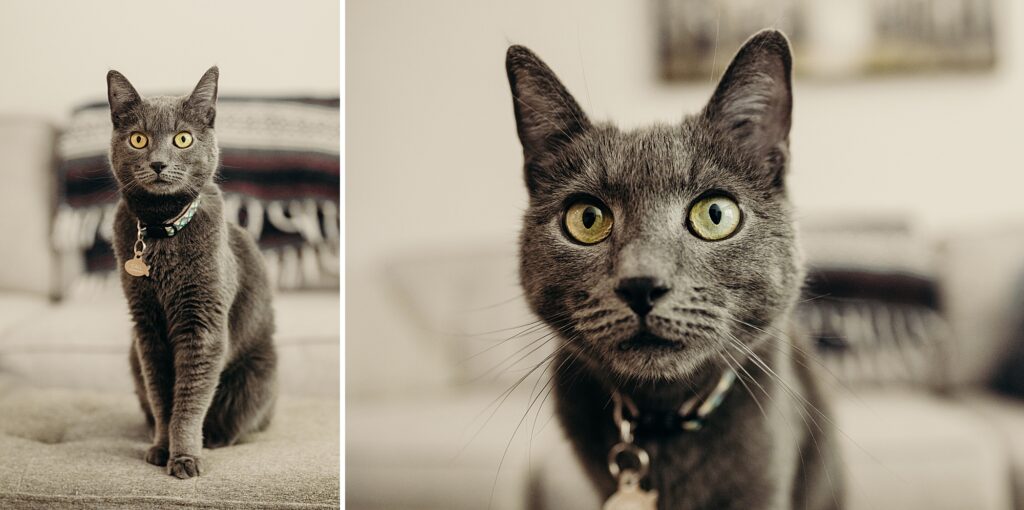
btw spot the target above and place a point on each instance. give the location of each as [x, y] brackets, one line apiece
[657, 251]
[163, 145]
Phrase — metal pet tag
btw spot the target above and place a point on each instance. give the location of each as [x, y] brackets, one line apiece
[136, 267]
[630, 496]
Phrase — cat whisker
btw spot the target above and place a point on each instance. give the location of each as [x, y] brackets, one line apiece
[503, 396]
[759, 362]
[792, 427]
[517, 427]
[554, 318]
[806, 354]
[543, 339]
[548, 336]
[800, 412]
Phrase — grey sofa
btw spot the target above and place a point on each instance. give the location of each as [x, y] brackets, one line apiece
[71, 432]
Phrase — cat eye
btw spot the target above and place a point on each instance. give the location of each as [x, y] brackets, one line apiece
[138, 140]
[588, 221]
[714, 218]
[183, 139]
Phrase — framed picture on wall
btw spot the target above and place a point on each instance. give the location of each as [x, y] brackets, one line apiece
[830, 39]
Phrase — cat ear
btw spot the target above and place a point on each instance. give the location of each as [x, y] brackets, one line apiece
[203, 100]
[547, 116]
[122, 98]
[753, 102]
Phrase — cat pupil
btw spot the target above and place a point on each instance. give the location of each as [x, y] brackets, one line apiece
[589, 217]
[716, 213]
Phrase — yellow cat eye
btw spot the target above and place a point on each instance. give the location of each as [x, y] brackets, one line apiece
[138, 140]
[588, 221]
[183, 139]
[714, 218]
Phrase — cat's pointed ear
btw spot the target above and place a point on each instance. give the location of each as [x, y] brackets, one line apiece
[122, 97]
[547, 116]
[753, 102]
[202, 102]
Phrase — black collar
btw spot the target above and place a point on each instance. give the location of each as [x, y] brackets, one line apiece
[689, 417]
[171, 227]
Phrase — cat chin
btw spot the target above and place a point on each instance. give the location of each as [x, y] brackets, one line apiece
[162, 187]
[644, 358]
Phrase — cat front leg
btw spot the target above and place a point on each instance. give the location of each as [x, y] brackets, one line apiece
[156, 367]
[198, 359]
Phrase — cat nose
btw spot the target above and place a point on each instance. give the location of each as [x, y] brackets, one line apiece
[640, 293]
[158, 166]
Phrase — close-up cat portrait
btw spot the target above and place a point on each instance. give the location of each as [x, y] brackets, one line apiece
[678, 254]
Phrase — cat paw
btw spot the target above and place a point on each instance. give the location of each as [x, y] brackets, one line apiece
[157, 455]
[184, 466]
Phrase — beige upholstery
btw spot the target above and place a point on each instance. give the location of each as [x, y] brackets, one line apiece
[67, 448]
[83, 342]
[72, 434]
[983, 293]
[1007, 418]
[434, 451]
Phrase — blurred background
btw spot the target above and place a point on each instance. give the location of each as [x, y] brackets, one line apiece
[66, 393]
[905, 174]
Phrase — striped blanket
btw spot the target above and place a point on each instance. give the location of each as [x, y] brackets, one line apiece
[871, 304]
[280, 173]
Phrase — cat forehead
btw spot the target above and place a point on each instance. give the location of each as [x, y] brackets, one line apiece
[650, 159]
[162, 113]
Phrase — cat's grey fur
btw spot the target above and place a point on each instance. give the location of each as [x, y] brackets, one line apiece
[742, 288]
[202, 354]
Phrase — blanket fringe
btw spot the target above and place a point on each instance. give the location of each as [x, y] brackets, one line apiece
[313, 263]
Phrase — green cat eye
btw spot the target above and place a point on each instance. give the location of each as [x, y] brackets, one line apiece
[714, 218]
[588, 221]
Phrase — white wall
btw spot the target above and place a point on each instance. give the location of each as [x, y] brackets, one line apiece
[433, 159]
[55, 53]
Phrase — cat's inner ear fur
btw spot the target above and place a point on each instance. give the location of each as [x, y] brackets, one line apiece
[547, 116]
[202, 103]
[122, 97]
[753, 102]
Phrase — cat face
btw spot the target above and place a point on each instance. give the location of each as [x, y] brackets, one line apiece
[653, 250]
[163, 145]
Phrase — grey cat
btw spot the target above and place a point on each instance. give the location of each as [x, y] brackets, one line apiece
[664, 257]
[202, 354]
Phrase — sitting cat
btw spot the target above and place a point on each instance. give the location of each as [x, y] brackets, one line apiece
[666, 259]
[202, 353]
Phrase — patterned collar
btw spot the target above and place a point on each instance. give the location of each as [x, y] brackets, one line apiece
[172, 226]
[690, 417]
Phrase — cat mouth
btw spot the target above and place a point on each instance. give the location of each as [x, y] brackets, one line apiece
[646, 341]
[162, 182]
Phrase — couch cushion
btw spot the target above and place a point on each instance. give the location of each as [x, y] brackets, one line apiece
[15, 306]
[902, 449]
[983, 295]
[80, 449]
[1006, 415]
[83, 342]
[442, 451]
